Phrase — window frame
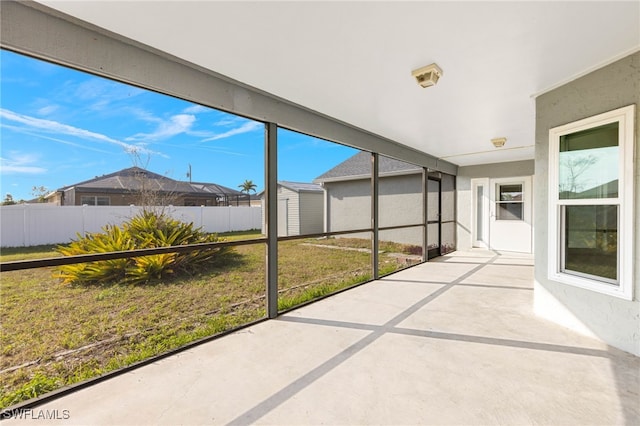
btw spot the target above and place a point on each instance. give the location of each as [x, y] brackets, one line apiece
[95, 200]
[499, 202]
[623, 287]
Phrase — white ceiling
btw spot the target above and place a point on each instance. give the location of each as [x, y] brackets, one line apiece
[353, 60]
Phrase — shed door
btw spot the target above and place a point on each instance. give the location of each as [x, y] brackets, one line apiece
[283, 217]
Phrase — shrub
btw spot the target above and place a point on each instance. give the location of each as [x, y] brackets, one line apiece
[146, 230]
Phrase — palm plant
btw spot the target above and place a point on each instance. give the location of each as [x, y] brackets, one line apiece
[247, 186]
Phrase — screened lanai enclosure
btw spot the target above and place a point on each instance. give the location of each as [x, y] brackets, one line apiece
[115, 305]
[438, 198]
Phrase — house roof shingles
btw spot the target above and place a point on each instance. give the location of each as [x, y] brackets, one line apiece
[135, 178]
[301, 186]
[359, 166]
[297, 187]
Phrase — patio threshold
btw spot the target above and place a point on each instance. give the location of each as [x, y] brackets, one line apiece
[451, 341]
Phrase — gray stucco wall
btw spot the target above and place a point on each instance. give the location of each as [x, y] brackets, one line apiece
[400, 203]
[348, 205]
[464, 198]
[614, 320]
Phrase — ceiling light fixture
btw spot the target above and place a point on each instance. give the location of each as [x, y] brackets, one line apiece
[427, 76]
[498, 142]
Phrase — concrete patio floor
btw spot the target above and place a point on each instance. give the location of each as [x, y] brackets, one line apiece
[452, 341]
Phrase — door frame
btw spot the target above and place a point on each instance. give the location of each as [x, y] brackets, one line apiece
[437, 251]
[527, 218]
[488, 208]
[283, 217]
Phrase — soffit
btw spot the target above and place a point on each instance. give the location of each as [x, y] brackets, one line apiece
[353, 60]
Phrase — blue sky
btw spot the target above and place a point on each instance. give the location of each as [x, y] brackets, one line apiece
[59, 127]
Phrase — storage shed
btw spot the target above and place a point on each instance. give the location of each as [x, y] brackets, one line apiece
[300, 208]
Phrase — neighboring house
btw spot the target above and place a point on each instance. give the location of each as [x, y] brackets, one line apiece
[300, 208]
[255, 200]
[348, 201]
[139, 186]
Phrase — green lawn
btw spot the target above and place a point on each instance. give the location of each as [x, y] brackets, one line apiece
[28, 253]
[54, 334]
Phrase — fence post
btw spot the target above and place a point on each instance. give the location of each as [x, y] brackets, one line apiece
[84, 220]
[25, 227]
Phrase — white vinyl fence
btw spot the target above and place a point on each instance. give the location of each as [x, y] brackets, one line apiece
[24, 225]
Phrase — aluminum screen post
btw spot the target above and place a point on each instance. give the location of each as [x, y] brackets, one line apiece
[271, 217]
[425, 214]
[374, 214]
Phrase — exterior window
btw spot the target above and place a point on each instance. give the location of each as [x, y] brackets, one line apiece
[95, 201]
[591, 241]
[509, 205]
[591, 203]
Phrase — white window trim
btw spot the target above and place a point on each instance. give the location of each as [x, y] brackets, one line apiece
[625, 117]
[497, 200]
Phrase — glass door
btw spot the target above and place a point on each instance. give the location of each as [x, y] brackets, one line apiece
[480, 215]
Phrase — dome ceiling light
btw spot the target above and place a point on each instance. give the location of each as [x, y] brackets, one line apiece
[498, 142]
[427, 76]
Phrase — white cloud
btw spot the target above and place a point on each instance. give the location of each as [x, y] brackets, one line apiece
[20, 163]
[196, 109]
[249, 126]
[180, 123]
[201, 133]
[204, 148]
[12, 169]
[104, 92]
[49, 109]
[64, 142]
[50, 126]
[142, 114]
[230, 121]
[95, 94]
[91, 89]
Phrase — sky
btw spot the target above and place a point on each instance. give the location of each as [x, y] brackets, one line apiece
[59, 127]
